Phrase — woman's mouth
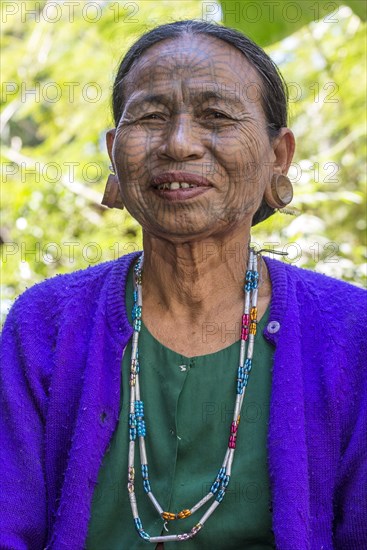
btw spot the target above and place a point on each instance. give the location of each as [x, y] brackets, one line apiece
[178, 185]
[178, 193]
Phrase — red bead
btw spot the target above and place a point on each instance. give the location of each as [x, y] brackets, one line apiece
[245, 319]
[234, 428]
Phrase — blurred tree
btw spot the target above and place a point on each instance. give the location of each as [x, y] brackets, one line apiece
[268, 21]
[56, 85]
[324, 64]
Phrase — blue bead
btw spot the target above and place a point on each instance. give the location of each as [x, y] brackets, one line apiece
[141, 428]
[220, 495]
[139, 409]
[214, 488]
[144, 535]
[248, 364]
[225, 481]
[136, 312]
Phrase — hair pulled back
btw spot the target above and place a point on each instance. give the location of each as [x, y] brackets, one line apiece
[274, 94]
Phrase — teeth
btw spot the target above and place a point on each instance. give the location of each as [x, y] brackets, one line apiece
[176, 185]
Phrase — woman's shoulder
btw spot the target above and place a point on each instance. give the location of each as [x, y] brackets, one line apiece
[313, 282]
[51, 295]
[314, 296]
[326, 316]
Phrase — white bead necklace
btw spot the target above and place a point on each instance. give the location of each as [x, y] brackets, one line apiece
[137, 428]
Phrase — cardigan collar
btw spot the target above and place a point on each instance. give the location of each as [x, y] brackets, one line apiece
[278, 304]
[116, 298]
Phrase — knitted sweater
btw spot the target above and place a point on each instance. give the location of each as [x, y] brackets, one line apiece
[60, 391]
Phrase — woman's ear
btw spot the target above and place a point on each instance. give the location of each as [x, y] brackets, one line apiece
[110, 138]
[279, 190]
[112, 196]
[283, 147]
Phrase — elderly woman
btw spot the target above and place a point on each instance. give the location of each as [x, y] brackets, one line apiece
[196, 392]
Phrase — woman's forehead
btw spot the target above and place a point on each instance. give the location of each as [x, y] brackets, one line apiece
[198, 60]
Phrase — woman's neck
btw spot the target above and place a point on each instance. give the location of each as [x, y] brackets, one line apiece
[194, 281]
[193, 293]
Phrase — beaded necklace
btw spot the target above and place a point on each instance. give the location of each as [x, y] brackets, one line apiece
[137, 428]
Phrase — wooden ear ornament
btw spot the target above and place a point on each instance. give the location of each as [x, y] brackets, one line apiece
[112, 197]
[279, 192]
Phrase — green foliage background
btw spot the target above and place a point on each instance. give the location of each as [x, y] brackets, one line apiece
[56, 82]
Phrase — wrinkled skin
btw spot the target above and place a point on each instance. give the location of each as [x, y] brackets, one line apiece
[224, 139]
[193, 104]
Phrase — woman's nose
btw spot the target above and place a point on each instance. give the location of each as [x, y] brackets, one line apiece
[183, 141]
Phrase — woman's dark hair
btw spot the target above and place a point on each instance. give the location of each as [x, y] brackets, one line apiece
[274, 93]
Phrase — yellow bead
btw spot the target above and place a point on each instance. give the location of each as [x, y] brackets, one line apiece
[168, 516]
[184, 514]
[253, 314]
[252, 328]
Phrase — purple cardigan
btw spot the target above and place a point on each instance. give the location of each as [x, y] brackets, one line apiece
[60, 391]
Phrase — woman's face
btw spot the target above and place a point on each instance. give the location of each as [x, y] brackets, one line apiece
[191, 150]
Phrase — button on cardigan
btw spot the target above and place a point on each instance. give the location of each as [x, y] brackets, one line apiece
[60, 392]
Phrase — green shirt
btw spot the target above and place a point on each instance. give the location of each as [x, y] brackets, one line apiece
[188, 406]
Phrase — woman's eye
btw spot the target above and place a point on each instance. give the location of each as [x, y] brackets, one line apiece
[152, 116]
[216, 115]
